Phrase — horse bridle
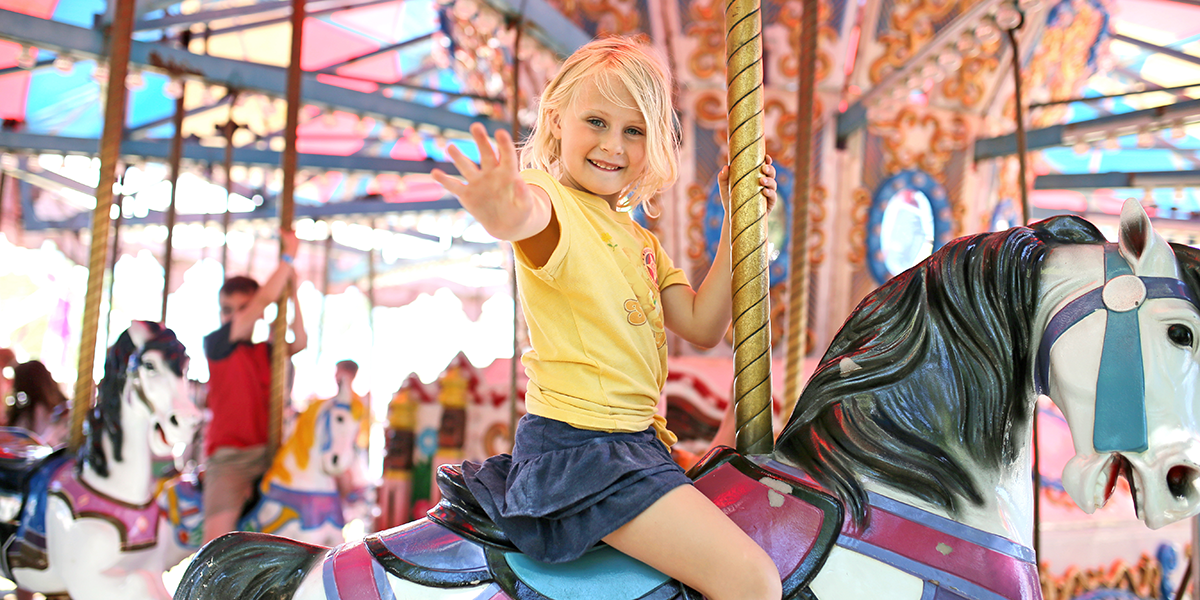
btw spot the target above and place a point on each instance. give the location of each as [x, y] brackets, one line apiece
[1120, 421]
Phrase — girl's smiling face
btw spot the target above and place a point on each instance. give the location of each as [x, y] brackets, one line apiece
[603, 141]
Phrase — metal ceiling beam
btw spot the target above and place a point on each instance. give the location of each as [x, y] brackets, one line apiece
[1096, 181]
[244, 76]
[1092, 130]
[549, 26]
[335, 209]
[1173, 53]
[283, 6]
[28, 142]
[288, 17]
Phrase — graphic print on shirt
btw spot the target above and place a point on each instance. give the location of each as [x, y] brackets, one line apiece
[641, 272]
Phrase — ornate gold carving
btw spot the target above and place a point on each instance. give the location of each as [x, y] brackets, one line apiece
[1142, 579]
[968, 84]
[708, 30]
[860, 203]
[910, 27]
[914, 140]
[1060, 64]
[827, 37]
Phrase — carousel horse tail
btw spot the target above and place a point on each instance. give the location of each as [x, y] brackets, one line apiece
[248, 566]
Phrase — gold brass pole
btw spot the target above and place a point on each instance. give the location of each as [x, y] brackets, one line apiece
[748, 233]
[798, 267]
[280, 355]
[110, 152]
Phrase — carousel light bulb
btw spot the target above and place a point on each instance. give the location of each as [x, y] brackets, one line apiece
[987, 32]
[27, 59]
[1112, 143]
[100, 74]
[1178, 131]
[173, 88]
[1081, 147]
[1145, 139]
[134, 80]
[950, 60]
[64, 64]
[329, 118]
[1008, 16]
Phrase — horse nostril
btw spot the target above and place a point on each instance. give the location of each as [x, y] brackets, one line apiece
[174, 420]
[334, 460]
[1180, 479]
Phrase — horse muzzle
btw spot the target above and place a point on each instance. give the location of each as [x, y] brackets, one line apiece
[1164, 483]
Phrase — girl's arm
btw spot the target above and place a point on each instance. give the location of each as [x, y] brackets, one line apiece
[702, 316]
[495, 195]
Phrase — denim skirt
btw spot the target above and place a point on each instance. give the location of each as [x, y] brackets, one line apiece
[563, 489]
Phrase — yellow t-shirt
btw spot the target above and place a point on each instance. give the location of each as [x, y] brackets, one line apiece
[594, 310]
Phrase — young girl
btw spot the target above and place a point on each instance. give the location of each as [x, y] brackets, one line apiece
[591, 460]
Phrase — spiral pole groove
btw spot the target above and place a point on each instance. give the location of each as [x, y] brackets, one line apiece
[747, 152]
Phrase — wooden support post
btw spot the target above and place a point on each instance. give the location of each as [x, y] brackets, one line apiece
[119, 43]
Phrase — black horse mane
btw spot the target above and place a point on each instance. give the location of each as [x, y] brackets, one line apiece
[931, 373]
[105, 416]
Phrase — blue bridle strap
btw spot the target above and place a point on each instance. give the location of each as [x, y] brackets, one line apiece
[1120, 420]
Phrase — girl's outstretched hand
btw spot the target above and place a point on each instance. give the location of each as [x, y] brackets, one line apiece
[766, 179]
[493, 193]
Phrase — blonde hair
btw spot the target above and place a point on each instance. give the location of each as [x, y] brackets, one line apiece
[610, 62]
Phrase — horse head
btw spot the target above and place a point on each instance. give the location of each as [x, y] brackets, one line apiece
[144, 382]
[339, 428]
[1120, 357]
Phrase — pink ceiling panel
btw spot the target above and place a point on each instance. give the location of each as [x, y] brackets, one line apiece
[405, 151]
[326, 44]
[1059, 200]
[37, 8]
[378, 68]
[384, 22]
[337, 136]
[12, 101]
[8, 54]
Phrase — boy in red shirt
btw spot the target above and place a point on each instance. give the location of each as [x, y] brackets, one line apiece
[239, 392]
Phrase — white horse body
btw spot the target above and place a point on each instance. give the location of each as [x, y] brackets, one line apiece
[88, 555]
[300, 495]
[1162, 476]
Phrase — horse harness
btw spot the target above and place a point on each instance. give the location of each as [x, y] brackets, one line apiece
[786, 513]
[1120, 422]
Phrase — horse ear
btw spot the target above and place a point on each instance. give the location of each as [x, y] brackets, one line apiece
[1142, 247]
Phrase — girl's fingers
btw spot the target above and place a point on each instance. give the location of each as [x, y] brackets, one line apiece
[487, 155]
[466, 167]
[507, 149]
[451, 184]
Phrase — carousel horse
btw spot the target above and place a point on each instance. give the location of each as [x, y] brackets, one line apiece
[905, 471]
[88, 526]
[298, 496]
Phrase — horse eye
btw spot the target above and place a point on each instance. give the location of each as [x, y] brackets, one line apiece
[341, 419]
[1180, 335]
[149, 366]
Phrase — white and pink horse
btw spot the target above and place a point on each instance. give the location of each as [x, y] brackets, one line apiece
[905, 470]
[88, 525]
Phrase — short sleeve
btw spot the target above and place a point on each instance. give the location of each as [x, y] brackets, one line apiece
[668, 273]
[565, 217]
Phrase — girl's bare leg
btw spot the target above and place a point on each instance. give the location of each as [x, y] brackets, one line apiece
[687, 537]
